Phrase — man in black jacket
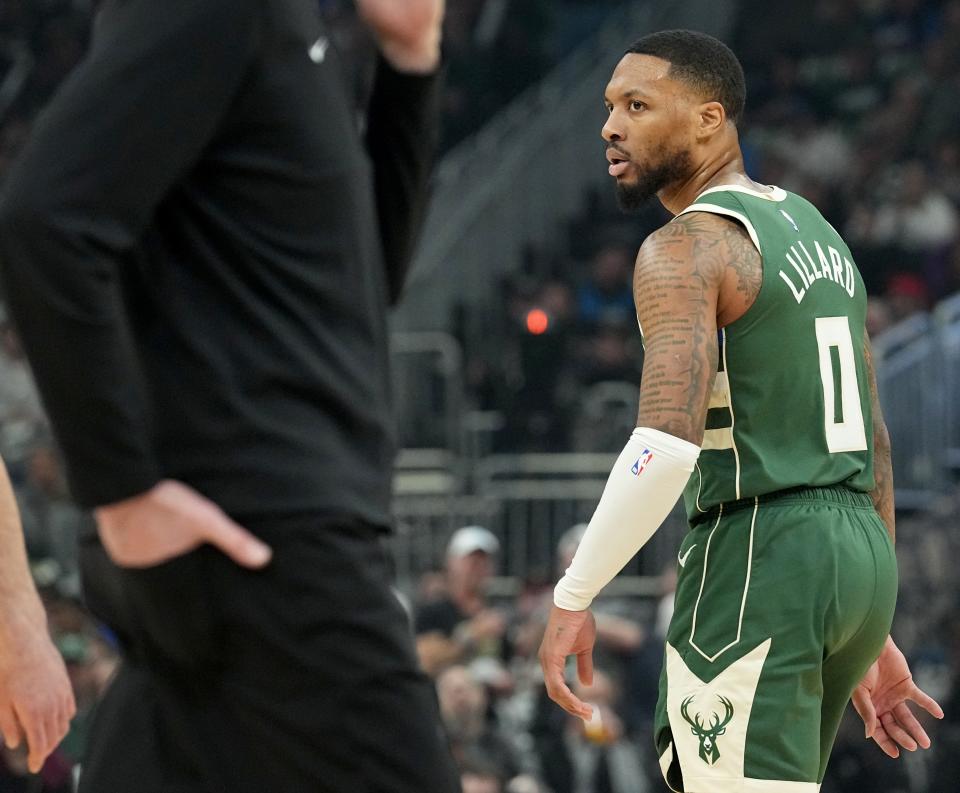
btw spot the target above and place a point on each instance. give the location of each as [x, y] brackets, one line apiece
[199, 249]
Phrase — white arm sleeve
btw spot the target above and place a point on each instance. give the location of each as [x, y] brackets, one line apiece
[642, 488]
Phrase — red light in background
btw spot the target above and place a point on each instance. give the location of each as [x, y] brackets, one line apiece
[537, 321]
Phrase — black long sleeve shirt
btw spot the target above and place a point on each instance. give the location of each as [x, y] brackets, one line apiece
[199, 249]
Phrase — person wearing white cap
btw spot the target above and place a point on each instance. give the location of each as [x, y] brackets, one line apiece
[460, 626]
[471, 539]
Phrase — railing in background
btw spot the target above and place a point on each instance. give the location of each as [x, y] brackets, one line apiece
[947, 321]
[541, 496]
[530, 500]
[423, 524]
[911, 378]
[607, 416]
[428, 390]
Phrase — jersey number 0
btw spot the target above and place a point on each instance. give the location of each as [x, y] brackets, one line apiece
[843, 415]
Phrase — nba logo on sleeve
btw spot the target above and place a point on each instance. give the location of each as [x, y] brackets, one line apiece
[642, 462]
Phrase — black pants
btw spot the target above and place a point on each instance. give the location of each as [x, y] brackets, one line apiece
[300, 678]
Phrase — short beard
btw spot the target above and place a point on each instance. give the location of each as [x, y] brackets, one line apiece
[671, 166]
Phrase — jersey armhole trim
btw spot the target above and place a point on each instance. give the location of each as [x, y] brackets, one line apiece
[738, 216]
[776, 194]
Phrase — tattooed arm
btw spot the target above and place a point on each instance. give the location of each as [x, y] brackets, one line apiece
[677, 289]
[882, 493]
[681, 281]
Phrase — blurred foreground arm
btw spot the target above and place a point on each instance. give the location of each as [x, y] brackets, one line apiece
[403, 127]
[36, 700]
[121, 133]
[407, 31]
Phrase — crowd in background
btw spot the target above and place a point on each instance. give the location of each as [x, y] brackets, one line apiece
[508, 737]
[851, 103]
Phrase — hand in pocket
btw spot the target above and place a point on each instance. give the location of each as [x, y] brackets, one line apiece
[168, 521]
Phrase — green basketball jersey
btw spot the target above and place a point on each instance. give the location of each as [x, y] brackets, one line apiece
[791, 403]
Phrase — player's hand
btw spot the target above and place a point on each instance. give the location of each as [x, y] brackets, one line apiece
[36, 700]
[170, 520]
[568, 633]
[881, 700]
[407, 31]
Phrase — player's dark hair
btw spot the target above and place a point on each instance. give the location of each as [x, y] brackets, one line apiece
[703, 62]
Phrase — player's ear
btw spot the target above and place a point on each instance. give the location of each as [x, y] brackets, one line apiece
[711, 119]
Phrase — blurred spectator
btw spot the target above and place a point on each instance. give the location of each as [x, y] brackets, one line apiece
[608, 296]
[611, 352]
[431, 587]
[525, 783]
[464, 708]
[861, 96]
[597, 758]
[812, 150]
[461, 626]
[780, 96]
[906, 294]
[946, 166]
[879, 315]
[919, 217]
[912, 228]
[858, 90]
[479, 776]
[897, 127]
[51, 521]
[21, 418]
[904, 25]
[941, 72]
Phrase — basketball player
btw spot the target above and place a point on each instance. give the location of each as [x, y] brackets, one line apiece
[759, 403]
[36, 700]
[200, 247]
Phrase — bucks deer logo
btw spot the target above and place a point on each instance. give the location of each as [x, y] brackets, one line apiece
[707, 736]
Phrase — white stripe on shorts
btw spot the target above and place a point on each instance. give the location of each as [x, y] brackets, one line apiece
[714, 785]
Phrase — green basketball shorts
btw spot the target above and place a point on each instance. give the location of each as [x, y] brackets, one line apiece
[782, 604]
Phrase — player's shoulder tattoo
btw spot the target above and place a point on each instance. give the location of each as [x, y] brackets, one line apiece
[743, 258]
[676, 281]
[709, 243]
[689, 245]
